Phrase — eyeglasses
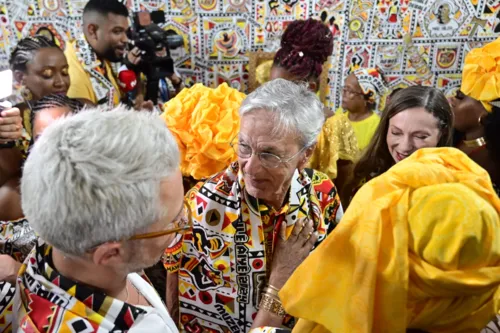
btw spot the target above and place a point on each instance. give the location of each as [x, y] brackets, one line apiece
[184, 223]
[268, 160]
[346, 90]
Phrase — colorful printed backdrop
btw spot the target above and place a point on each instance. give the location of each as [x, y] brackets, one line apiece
[219, 34]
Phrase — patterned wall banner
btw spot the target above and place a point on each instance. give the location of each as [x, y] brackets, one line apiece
[413, 41]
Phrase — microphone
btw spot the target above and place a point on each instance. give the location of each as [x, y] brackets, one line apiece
[127, 80]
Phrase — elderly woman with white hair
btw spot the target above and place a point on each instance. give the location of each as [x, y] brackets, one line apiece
[256, 221]
[104, 192]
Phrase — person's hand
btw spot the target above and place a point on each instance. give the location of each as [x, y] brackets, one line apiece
[140, 104]
[328, 112]
[10, 125]
[147, 105]
[134, 56]
[290, 253]
[8, 268]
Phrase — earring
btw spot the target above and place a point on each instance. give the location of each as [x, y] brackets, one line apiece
[26, 93]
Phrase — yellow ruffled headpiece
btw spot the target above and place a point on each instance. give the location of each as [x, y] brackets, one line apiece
[419, 247]
[203, 121]
[481, 74]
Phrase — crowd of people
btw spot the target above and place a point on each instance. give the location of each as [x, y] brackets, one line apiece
[366, 219]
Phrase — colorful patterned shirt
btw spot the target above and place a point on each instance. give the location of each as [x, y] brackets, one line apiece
[223, 264]
[50, 302]
[16, 240]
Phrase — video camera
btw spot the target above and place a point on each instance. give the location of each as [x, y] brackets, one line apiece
[155, 45]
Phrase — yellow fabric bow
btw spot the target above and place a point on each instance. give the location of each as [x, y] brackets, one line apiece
[203, 121]
[481, 74]
[419, 247]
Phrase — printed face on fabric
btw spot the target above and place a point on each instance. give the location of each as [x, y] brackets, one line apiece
[411, 130]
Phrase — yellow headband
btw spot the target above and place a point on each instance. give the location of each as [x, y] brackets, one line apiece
[481, 74]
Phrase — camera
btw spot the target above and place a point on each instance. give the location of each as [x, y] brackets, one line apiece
[155, 45]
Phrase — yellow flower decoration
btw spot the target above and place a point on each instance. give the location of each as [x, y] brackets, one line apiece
[204, 121]
[481, 74]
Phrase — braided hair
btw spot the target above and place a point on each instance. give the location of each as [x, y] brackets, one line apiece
[26, 49]
[54, 101]
[305, 46]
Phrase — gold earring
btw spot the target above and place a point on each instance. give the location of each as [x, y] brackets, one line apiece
[26, 93]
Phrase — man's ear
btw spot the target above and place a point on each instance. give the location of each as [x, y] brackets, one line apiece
[308, 153]
[19, 76]
[92, 29]
[109, 254]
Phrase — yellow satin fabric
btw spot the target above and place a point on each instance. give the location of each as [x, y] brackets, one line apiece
[204, 121]
[419, 247]
[337, 141]
[481, 74]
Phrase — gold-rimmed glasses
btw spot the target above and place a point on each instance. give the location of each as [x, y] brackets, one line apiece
[184, 223]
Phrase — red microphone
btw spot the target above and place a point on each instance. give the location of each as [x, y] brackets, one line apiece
[127, 80]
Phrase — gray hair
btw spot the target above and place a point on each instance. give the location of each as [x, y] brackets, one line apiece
[294, 106]
[95, 177]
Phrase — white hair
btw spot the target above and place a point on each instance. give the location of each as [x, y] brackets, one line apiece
[295, 108]
[95, 177]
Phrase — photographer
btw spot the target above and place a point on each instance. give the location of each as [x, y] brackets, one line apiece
[169, 86]
[104, 41]
[151, 61]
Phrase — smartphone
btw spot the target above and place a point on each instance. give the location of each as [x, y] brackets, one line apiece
[6, 80]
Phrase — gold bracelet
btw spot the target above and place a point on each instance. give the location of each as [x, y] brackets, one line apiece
[273, 291]
[273, 288]
[271, 304]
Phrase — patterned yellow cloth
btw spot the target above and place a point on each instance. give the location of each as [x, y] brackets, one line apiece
[204, 121]
[365, 129]
[481, 73]
[419, 247]
[337, 141]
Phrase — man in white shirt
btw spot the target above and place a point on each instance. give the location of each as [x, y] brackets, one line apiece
[104, 191]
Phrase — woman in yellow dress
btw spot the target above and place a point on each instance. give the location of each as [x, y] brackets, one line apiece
[361, 95]
[305, 47]
[477, 108]
[416, 250]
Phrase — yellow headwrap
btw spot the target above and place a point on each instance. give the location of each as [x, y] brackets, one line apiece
[481, 74]
[419, 247]
[203, 121]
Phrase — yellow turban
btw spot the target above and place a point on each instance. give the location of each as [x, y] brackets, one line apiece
[419, 247]
[203, 121]
[481, 74]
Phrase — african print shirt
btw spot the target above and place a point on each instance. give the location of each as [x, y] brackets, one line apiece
[223, 264]
[17, 239]
[49, 302]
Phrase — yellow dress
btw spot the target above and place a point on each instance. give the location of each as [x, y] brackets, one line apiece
[418, 248]
[365, 129]
[337, 141]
